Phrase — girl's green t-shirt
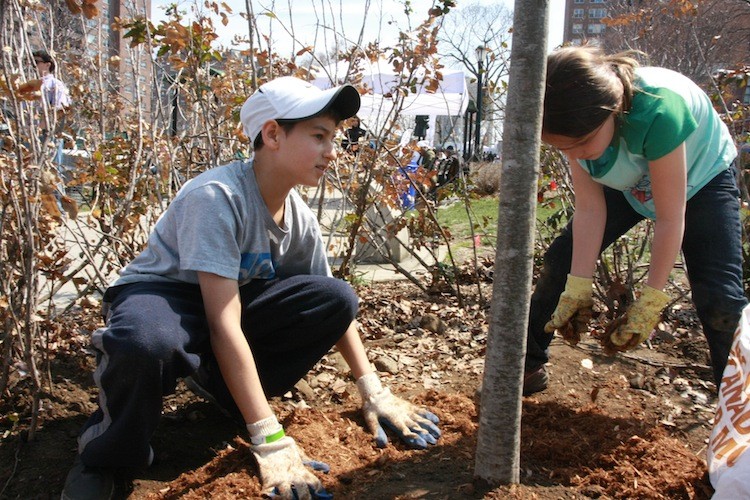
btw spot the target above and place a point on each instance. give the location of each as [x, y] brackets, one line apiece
[667, 110]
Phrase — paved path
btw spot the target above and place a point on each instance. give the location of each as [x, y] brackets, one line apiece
[334, 206]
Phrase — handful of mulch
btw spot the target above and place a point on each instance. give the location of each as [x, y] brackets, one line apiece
[578, 324]
[604, 337]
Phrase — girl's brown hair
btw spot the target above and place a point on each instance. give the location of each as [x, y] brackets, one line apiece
[584, 87]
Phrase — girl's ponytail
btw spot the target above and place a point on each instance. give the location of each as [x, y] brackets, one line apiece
[624, 65]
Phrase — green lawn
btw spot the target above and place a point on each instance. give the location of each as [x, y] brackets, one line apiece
[484, 215]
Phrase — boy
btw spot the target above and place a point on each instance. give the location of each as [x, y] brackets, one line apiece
[237, 254]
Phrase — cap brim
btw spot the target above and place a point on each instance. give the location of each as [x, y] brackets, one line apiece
[346, 102]
[343, 100]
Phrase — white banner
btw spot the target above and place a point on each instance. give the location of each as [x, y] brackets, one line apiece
[728, 455]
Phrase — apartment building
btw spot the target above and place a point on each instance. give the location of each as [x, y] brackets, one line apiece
[583, 20]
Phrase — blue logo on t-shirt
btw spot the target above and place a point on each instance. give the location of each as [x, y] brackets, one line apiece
[256, 266]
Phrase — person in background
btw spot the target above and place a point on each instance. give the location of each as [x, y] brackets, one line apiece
[54, 91]
[235, 291]
[427, 155]
[642, 142]
[352, 135]
[450, 167]
[56, 97]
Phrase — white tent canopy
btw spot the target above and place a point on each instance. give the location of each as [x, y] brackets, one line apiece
[380, 80]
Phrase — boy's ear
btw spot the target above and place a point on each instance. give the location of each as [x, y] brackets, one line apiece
[271, 131]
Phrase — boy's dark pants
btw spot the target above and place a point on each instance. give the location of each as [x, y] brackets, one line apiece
[713, 257]
[157, 333]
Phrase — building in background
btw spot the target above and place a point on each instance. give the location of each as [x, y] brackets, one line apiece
[131, 67]
[583, 20]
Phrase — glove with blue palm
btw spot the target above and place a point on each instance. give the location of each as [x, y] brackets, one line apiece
[281, 464]
[415, 426]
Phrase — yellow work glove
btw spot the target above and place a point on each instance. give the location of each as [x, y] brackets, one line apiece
[640, 319]
[576, 298]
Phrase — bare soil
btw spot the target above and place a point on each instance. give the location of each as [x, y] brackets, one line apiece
[630, 426]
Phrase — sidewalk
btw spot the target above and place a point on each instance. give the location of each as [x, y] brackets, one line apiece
[333, 209]
[370, 273]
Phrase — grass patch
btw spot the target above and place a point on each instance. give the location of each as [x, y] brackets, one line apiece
[484, 212]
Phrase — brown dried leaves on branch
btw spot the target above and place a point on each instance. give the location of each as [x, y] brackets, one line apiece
[87, 7]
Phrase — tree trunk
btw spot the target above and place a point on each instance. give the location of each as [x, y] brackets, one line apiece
[498, 446]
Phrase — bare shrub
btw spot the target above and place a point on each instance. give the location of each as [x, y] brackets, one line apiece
[486, 176]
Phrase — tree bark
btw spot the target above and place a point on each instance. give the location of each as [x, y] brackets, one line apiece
[498, 446]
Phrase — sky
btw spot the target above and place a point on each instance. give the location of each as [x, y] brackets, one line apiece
[349, 14]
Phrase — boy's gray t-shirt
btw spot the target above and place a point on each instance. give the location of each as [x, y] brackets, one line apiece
[218, 223]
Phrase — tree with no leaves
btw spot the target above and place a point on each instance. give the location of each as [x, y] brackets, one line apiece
[462, 31]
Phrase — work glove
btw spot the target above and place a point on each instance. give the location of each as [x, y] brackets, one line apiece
[282, 465]
[574, 309]
[639, 320]
[415, 426]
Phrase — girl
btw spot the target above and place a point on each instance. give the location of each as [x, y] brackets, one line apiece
[642, 142]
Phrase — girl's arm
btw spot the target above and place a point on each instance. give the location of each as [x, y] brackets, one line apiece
[588, 221]
[668, 187]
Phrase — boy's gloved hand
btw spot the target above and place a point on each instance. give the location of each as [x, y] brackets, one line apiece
[413, 425]
[282, 465]
[640, 320]
[576, 297]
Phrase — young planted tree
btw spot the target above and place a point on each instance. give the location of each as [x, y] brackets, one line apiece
[498, 443]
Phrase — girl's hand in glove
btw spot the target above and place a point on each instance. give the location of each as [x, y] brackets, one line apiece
[640, 320]
[413, 425]
[576, 297]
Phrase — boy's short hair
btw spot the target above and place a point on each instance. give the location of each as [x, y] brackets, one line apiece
[289, 99]
[287, 125]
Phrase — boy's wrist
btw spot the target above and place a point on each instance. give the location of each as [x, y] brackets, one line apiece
[266, 430]
[369, 385]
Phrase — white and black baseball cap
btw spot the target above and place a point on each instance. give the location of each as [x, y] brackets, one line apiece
[289, 98]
